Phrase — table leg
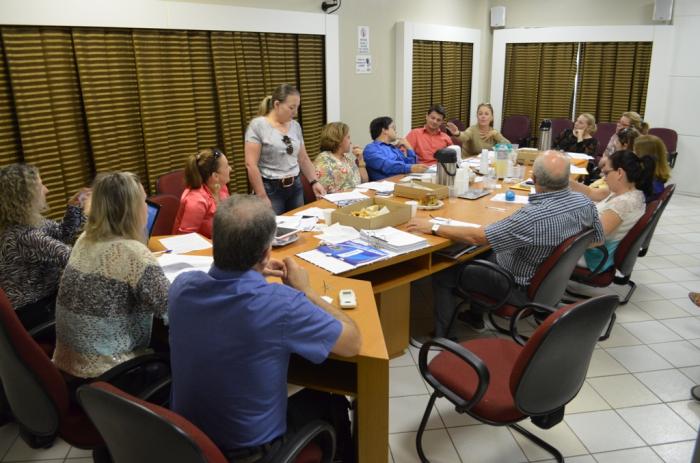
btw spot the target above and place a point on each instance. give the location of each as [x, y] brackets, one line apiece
[372, 410]
[394, 307]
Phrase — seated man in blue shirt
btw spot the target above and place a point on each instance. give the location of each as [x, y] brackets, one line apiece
[382, 157]
[232, 333]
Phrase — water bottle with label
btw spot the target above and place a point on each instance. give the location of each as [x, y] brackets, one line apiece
[502, 160]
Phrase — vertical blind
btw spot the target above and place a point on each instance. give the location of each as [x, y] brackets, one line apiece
[77, 101]
[442, 74]
[610, 78]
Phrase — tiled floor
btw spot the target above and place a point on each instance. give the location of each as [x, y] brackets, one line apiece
[634, 407]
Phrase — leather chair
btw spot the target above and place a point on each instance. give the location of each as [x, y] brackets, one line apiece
[664, 198]
[546, 287]
[559, 125]
[670, 139]
[502, 381]
[517, 130]
[140, 432]
[603, 134]
[625, 257]
[172, 183]
[37, 392]
[169, 206]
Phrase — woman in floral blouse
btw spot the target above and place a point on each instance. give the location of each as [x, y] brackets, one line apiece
[337, 168]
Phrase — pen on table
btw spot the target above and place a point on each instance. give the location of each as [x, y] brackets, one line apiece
[496, 208]
[165, 251]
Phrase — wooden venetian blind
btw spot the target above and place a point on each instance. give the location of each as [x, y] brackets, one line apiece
[613, 78]
[539, 81]
[442, 74]
[9, 139]
[48, 108]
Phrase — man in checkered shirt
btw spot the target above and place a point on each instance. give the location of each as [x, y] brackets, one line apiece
[519, 243]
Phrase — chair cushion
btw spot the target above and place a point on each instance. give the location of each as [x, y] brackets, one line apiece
[584, 275]
[499, 355]
[310, 454]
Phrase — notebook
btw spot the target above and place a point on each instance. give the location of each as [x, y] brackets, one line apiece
[153, 210]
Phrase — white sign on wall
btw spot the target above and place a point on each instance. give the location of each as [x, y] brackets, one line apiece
[363, 64]
[363, 40]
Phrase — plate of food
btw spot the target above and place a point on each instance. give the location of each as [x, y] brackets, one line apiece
[370, 212]
[430, 202]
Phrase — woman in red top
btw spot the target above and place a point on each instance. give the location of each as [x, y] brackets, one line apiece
[206, 176]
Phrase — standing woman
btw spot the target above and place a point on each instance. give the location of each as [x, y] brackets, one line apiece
[580, 139]
[112, 286]
[337, 167]
[33, 251]
[206, 175]
[480, 136]
[275, 152]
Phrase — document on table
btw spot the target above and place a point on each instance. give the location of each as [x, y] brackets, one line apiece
[335, 265]
[298, 222]
[412, 177]
[313, 212]
[519, 199]
[175, 264]
[394, 239]
[453, 223]
[575, 170]
[180, 244]
[579, 156]
[337, 233]
[380, 187]
[345, 198]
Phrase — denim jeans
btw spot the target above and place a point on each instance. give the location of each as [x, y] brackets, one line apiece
[284, 199]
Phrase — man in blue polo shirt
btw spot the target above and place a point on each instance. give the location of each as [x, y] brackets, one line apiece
[232, 332]
[388, 155]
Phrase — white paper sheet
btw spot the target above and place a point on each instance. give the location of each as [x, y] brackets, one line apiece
[519, 199]
[345, 196]
[305, 223]
[329, 263]
[337, 233]
[382, 187]
[180, 244]
[453, 223]
[575, 170]
[175, 264]
[412, 177]
[579, 156]
[313, 212]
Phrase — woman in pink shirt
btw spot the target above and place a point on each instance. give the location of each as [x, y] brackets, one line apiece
[206, 176]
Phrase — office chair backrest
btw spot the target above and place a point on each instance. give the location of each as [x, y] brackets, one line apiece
[668, 136]
[603, 134]
[34, 387]
[516, 128]
[165, 220]
[549, 282]
[172, 183]
[559, 125]
[628, 249]
[552, 366]
[136, 431]
[664, 199]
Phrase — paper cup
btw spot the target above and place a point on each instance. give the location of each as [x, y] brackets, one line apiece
[414, 207]
[327, 216]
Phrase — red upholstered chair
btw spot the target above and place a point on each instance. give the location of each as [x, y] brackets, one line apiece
[602, 134]
[37, 393]
[172, 183]
[502, 381]
[546, 287]
[559, 125]
[169, 205]
[140, 432]
[670, 139]
[517, 130]
[664, 198]
[625, 257]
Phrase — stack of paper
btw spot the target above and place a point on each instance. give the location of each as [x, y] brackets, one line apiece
[380, 187]
[346, 198]
[394, 239]
[339, 258]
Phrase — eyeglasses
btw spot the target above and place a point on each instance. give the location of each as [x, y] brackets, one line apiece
[605, 172]
[288, 141]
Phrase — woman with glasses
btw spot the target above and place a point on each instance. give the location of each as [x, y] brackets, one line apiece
[275, 153]
[629, 179]
[206, 175]
[629, 119]
[33, 250]
[112, 286]
[338, 167]
[479, 136]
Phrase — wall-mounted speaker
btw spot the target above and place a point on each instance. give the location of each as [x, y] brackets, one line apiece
[663, 10]
[498, 16]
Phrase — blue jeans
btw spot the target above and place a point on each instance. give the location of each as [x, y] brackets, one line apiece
[284, 199]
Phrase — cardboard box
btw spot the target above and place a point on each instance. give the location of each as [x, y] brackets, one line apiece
[407, 191]
[399, 213]
[527, 157]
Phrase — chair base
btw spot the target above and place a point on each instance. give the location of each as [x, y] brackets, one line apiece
[539, 442]
[34, 441]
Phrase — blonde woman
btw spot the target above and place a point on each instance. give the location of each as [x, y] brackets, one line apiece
[629, 119]
[580, 139]
[206, 175]
[33, 251]
[481, 135]
[337, 167]
[112, 286]
[653, 146]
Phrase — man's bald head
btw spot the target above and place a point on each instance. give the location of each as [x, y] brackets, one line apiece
[551, 171]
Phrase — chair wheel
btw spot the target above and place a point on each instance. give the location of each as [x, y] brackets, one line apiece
[695, 392]
[34, 441]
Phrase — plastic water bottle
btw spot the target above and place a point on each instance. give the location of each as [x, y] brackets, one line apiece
[502, 161]
[462, 181]
[484, 165]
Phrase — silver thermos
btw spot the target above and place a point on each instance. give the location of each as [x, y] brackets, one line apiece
[545, 140]
[446, 166]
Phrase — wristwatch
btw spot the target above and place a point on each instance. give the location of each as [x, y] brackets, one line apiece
[435, 229]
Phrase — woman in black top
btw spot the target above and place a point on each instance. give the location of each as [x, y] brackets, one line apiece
[580, 139]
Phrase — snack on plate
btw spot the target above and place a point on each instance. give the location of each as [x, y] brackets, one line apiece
[429, 200]
[371, 211]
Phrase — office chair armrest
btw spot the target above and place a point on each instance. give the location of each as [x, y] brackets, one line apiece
[535, 307]
[136, 362]
[468, 357]
[47, 328]
[498, 270]
[317, 430]
[159, 389]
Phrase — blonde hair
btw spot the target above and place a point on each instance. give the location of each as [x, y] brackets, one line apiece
[199, 167]
[21, 203]
[636, 122]
[590, 118]
[116, 208]
[332, 135]
[651, 145]
[486, 105]
[280, 94]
